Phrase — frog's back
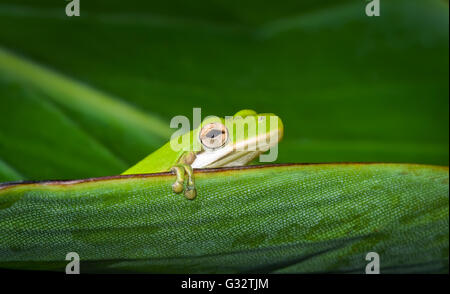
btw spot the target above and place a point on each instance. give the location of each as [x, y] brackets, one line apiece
[159, 161]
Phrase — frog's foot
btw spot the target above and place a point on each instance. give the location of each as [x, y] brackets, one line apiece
[183, 171]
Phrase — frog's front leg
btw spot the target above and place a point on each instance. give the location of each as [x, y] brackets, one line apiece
[184, 171]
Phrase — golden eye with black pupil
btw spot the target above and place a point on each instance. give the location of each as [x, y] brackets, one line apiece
[213, 135]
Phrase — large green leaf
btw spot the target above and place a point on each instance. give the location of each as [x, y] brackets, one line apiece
[348, 87]
[88, 96]
[278, 219]
[56, 145]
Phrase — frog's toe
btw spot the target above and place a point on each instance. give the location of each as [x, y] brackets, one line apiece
[190, 193]
[177, 187]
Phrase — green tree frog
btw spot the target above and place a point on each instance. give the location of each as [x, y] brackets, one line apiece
[217, 142]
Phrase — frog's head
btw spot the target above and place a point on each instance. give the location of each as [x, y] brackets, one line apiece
[237, 140]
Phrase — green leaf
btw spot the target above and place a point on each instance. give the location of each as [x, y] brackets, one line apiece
[348, 87]
[276, 219]
[8, 173]
[104, 121]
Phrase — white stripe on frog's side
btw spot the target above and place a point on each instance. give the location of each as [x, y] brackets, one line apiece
[235, 155]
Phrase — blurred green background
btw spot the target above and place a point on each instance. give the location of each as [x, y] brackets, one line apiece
[91, 95]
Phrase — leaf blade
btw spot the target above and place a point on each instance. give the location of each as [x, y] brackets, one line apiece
[298, 218]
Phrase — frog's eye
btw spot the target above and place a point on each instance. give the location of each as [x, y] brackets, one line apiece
[213, 135]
